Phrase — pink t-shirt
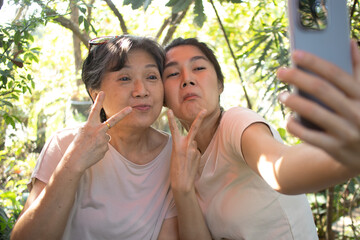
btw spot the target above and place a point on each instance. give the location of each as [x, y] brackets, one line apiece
[237, 203]
[116, 199]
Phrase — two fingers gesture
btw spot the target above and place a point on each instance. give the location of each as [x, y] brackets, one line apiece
[185, 157]
[91, 142]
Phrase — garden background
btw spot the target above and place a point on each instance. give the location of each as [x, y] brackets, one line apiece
[43, 43]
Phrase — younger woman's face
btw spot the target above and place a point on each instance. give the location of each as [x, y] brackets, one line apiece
[139, 85]
[190, 83]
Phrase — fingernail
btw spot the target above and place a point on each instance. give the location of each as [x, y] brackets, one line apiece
[298, 55]
[283, 96]
[127, 110]
[170, 112]
[280, 72]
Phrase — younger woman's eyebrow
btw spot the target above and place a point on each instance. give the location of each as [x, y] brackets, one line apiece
[193, 59]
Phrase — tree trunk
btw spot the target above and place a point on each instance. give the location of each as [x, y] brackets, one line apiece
[329, 213]
[76, 40]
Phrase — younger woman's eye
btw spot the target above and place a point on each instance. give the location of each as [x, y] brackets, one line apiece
[199, 68]
[172, 74]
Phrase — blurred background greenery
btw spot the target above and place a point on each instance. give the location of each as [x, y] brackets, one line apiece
[43, 43]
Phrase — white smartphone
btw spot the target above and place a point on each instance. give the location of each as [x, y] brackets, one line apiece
[321, 27]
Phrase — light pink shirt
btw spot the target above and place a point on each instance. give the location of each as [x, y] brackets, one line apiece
[237, 203]
[116, 199]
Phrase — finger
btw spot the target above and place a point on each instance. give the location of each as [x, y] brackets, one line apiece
[329, 71]
[330, 122]
[355, 53]
[322, 90]
[113, 120]
[316, 138]
[94, 116]
[196, 125]
[172, 125]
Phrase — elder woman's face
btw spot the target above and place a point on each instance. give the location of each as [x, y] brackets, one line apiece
[139, 85]
[190, 82]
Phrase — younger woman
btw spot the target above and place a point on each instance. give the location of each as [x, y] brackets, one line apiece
[234, 163]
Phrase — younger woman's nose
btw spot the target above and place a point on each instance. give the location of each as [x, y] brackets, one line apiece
[187, 83]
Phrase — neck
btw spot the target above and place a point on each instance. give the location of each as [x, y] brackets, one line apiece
[138, 146]
[207, 129]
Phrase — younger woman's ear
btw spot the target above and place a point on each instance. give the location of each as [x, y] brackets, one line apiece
[221, 88]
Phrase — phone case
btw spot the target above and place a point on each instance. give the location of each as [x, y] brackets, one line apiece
[321, 27]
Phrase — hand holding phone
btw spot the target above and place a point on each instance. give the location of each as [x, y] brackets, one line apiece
[322, 28]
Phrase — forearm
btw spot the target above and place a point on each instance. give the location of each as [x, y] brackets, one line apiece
[47, 216]
[304, 168]
[190, 218]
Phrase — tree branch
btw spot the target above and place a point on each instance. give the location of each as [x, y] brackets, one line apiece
[118, 15]
[162, 28]
[89, 10]
[176, 19]
[233, 56]
[353, 8]
[84, 37]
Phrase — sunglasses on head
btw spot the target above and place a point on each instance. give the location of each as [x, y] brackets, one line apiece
[100, 40]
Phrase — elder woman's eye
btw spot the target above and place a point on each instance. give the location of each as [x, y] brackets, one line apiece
[124, 79]
[153, 77]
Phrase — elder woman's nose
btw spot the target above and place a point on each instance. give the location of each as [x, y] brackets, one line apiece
[140, 89]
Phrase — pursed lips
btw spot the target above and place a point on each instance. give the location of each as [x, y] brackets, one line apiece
[142, 107]
[190, 96]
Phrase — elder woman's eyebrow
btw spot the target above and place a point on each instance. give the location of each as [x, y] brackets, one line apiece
[146, 66]
[193, 59]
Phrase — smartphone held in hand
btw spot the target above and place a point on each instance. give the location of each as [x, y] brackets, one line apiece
[320, 27]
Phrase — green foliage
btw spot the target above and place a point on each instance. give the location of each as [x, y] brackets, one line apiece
[200, 16]
[14, 172]
[16, 56]
[256, 30]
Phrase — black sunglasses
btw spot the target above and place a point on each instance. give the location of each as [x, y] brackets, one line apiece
[100, 40]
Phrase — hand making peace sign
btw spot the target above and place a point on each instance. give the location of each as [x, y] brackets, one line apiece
[91, 142]
[185, 157]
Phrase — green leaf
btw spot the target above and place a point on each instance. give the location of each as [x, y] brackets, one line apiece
[127, 2]
[172, 3]
[86, 25]
[7, 103]
[181, 6]
[9, 120]
[135, 4]
[81, 20]
[199, 13]
[82, 9]
[17, 37]
[93, 29]
[147, 4]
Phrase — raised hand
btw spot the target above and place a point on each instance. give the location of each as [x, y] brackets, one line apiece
[185, 157]
[91, 142]
[337, 89]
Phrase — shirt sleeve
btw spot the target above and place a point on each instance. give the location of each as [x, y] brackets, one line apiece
[51, 155]
[235, 122]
